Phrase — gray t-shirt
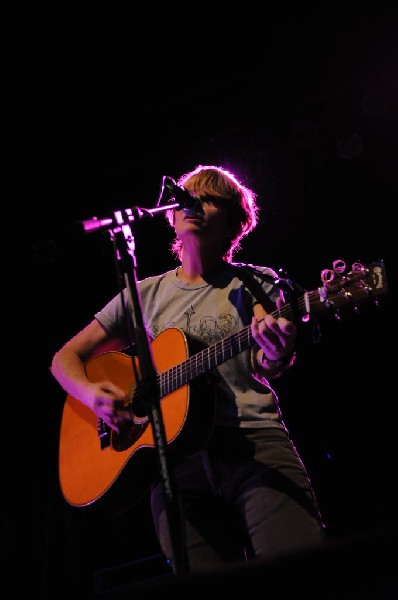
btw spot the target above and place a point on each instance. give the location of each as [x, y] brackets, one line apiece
[213, 313]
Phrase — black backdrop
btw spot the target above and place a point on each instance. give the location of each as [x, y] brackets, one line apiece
[303, 111]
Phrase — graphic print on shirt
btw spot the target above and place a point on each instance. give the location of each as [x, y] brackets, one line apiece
[189, 312]
[209, 328]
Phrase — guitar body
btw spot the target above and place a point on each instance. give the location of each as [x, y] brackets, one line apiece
[128, 463]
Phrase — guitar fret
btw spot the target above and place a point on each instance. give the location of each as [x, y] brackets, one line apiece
[228, 347]
[197, 365]
[210, 357]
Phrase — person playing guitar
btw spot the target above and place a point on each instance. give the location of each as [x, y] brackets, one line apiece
[243, 487]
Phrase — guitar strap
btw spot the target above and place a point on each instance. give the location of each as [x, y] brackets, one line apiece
[290, 289]
[246, 273]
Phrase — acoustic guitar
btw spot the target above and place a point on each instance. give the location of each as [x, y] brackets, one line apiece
[93, 459]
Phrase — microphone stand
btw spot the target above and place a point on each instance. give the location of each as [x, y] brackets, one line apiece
[122, 235]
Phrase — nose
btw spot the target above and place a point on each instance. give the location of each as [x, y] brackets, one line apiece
[195, 209]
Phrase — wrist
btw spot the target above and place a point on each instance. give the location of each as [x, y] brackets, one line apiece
[275, 365]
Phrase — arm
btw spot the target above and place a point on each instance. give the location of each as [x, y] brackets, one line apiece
[103, 397]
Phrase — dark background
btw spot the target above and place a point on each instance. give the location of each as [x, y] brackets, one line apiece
[301, 106]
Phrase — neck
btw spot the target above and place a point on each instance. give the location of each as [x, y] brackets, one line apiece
[194, 268]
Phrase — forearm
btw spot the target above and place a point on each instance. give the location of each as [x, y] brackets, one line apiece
[69, 370]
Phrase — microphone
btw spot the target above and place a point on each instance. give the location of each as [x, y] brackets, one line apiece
[190, 205]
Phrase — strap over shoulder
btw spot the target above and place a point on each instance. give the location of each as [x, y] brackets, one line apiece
[250, 277]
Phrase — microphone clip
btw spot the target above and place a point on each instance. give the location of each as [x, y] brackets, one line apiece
[190, 205]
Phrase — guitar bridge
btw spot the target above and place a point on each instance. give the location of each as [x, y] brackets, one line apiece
[104, 434]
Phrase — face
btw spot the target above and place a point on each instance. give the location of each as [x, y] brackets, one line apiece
[210, 224]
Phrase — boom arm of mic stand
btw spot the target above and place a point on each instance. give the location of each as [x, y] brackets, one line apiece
[125, 216]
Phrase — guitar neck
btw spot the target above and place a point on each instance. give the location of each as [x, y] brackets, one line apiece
[363, 283]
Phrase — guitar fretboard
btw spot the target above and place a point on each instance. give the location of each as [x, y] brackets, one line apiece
[204, 361]
[362, 284]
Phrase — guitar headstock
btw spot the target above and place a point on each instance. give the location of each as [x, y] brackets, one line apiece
[342, 286]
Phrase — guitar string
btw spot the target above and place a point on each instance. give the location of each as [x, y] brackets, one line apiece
[181, 373]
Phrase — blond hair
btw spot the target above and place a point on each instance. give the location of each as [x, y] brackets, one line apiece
[241, 205]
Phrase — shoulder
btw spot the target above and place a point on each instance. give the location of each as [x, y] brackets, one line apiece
[259, 271]
[154, 280]
[259, 279]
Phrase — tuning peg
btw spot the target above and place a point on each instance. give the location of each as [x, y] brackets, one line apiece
[339, 266]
